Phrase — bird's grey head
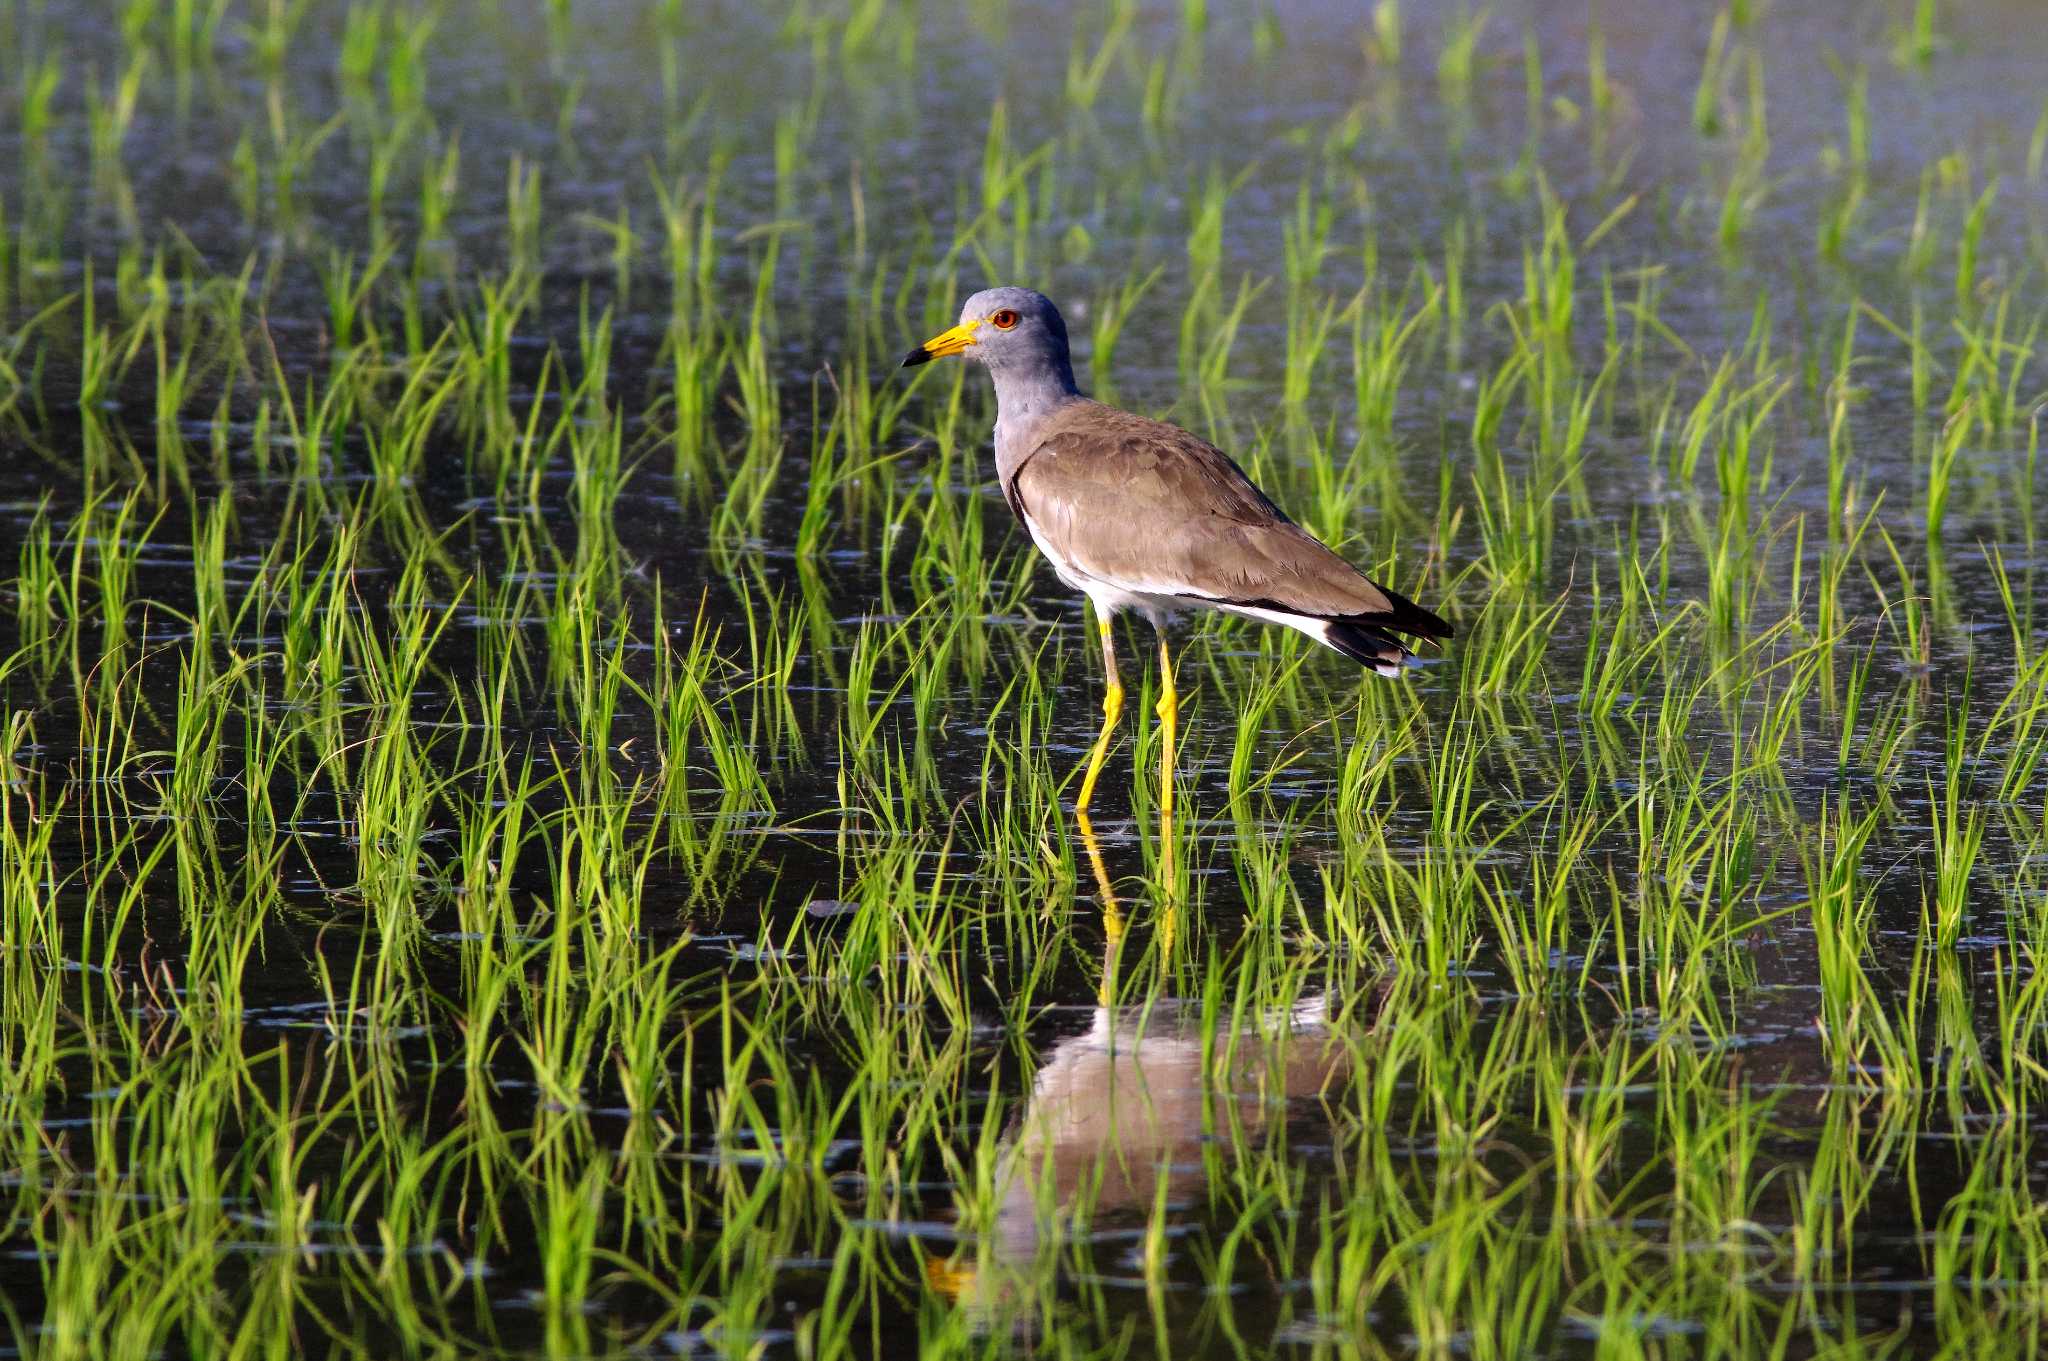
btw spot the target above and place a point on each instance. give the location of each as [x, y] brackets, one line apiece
[1016, 332]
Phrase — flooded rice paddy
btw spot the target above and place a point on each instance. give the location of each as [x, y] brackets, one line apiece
[538, 768]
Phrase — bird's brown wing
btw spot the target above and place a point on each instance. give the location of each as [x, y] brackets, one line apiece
[1148, 507]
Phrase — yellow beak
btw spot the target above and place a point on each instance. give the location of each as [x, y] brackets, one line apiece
[943, 344]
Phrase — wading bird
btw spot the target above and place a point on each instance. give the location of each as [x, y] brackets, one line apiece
[1141, 515]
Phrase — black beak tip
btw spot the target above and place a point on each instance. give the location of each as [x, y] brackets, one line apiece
[920, 355]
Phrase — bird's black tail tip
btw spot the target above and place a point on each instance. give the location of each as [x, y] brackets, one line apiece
[1366, 644]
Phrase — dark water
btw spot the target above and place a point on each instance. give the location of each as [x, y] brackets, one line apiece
[1358, 1074]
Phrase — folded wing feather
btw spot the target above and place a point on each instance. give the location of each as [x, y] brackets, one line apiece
[1149, 507]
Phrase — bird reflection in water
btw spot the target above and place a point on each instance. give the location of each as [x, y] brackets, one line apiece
[1116, 1117]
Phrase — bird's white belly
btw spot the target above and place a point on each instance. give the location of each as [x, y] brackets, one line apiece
[1111, 597]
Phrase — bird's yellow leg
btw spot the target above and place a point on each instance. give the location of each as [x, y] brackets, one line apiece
[1112, 913]
[1112, 710]
[1169, 725]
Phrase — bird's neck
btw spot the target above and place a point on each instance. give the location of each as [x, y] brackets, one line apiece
[1026, 397]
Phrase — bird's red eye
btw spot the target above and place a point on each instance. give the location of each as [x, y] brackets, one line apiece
[1003, 320]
